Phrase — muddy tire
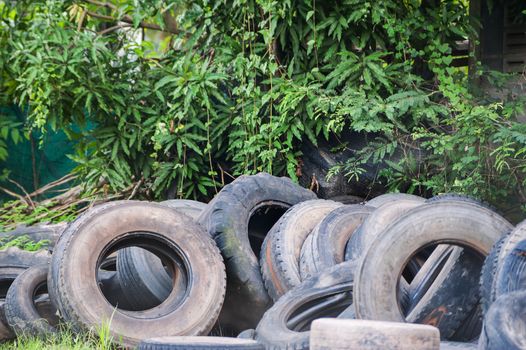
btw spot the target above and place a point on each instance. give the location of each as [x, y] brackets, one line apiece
[199, 343]
[325, 246]
[458, 223]
[21, 312]
[505, 323]
[280, 258]
[371, 335]
[72, 280]
[142, 274]
[285, 325]
[227, 219]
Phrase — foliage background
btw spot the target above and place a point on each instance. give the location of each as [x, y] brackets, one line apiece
[179, 96]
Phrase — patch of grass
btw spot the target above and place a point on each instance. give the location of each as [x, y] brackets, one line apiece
[23, 242]
[66, 340]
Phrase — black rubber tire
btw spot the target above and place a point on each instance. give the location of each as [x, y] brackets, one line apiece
[377, 202]
[200, 343]
[505, 323]
[281, 250]
[325, 246]
[487, 275]
[14, 261]
[72, 281]
[491, 270]
[510, 273]
[227, 220]
[142, 274]
[460, 223]
[37, 233]
[20, 309]
[324, 295]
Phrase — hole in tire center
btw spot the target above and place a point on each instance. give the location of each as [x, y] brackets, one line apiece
[5, 283]
[44, 306]
[432, 266]
[140, 272]
[260, 223]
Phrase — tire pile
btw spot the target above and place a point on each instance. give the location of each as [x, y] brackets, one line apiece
[263, 260]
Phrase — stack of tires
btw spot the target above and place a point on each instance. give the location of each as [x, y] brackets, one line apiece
[264, 259]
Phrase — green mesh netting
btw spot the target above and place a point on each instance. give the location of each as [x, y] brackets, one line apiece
[33, 164]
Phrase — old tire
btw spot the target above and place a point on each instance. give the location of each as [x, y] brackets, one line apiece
[510, 273]
[14, 261]
[200, 343]
[505, 323]
[325, 246]
[459, 223]
[376, 222]
[280, 258]
[285, 325]
[142, 274]
[20, 309]
[226, 219]
[72, 280]
[327, 333]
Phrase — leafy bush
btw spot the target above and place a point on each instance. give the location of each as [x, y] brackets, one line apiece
[234, 87]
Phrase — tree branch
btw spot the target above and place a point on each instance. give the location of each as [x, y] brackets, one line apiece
[128, 18]
[111, 29]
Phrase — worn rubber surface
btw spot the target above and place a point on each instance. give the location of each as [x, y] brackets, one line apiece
[491, 271]
[72, 280]
[372, 335]
[451, 345]
[199, 343]
[142, 274]
[226, 219]
[14, 261]
[377, 202]
[459, 223]
[285, 325]
[21, 312]
[510, 273]
[505, 323]
[325, 246]
[247, 334]
[377, 221]
[487, 275]
[280, 258]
